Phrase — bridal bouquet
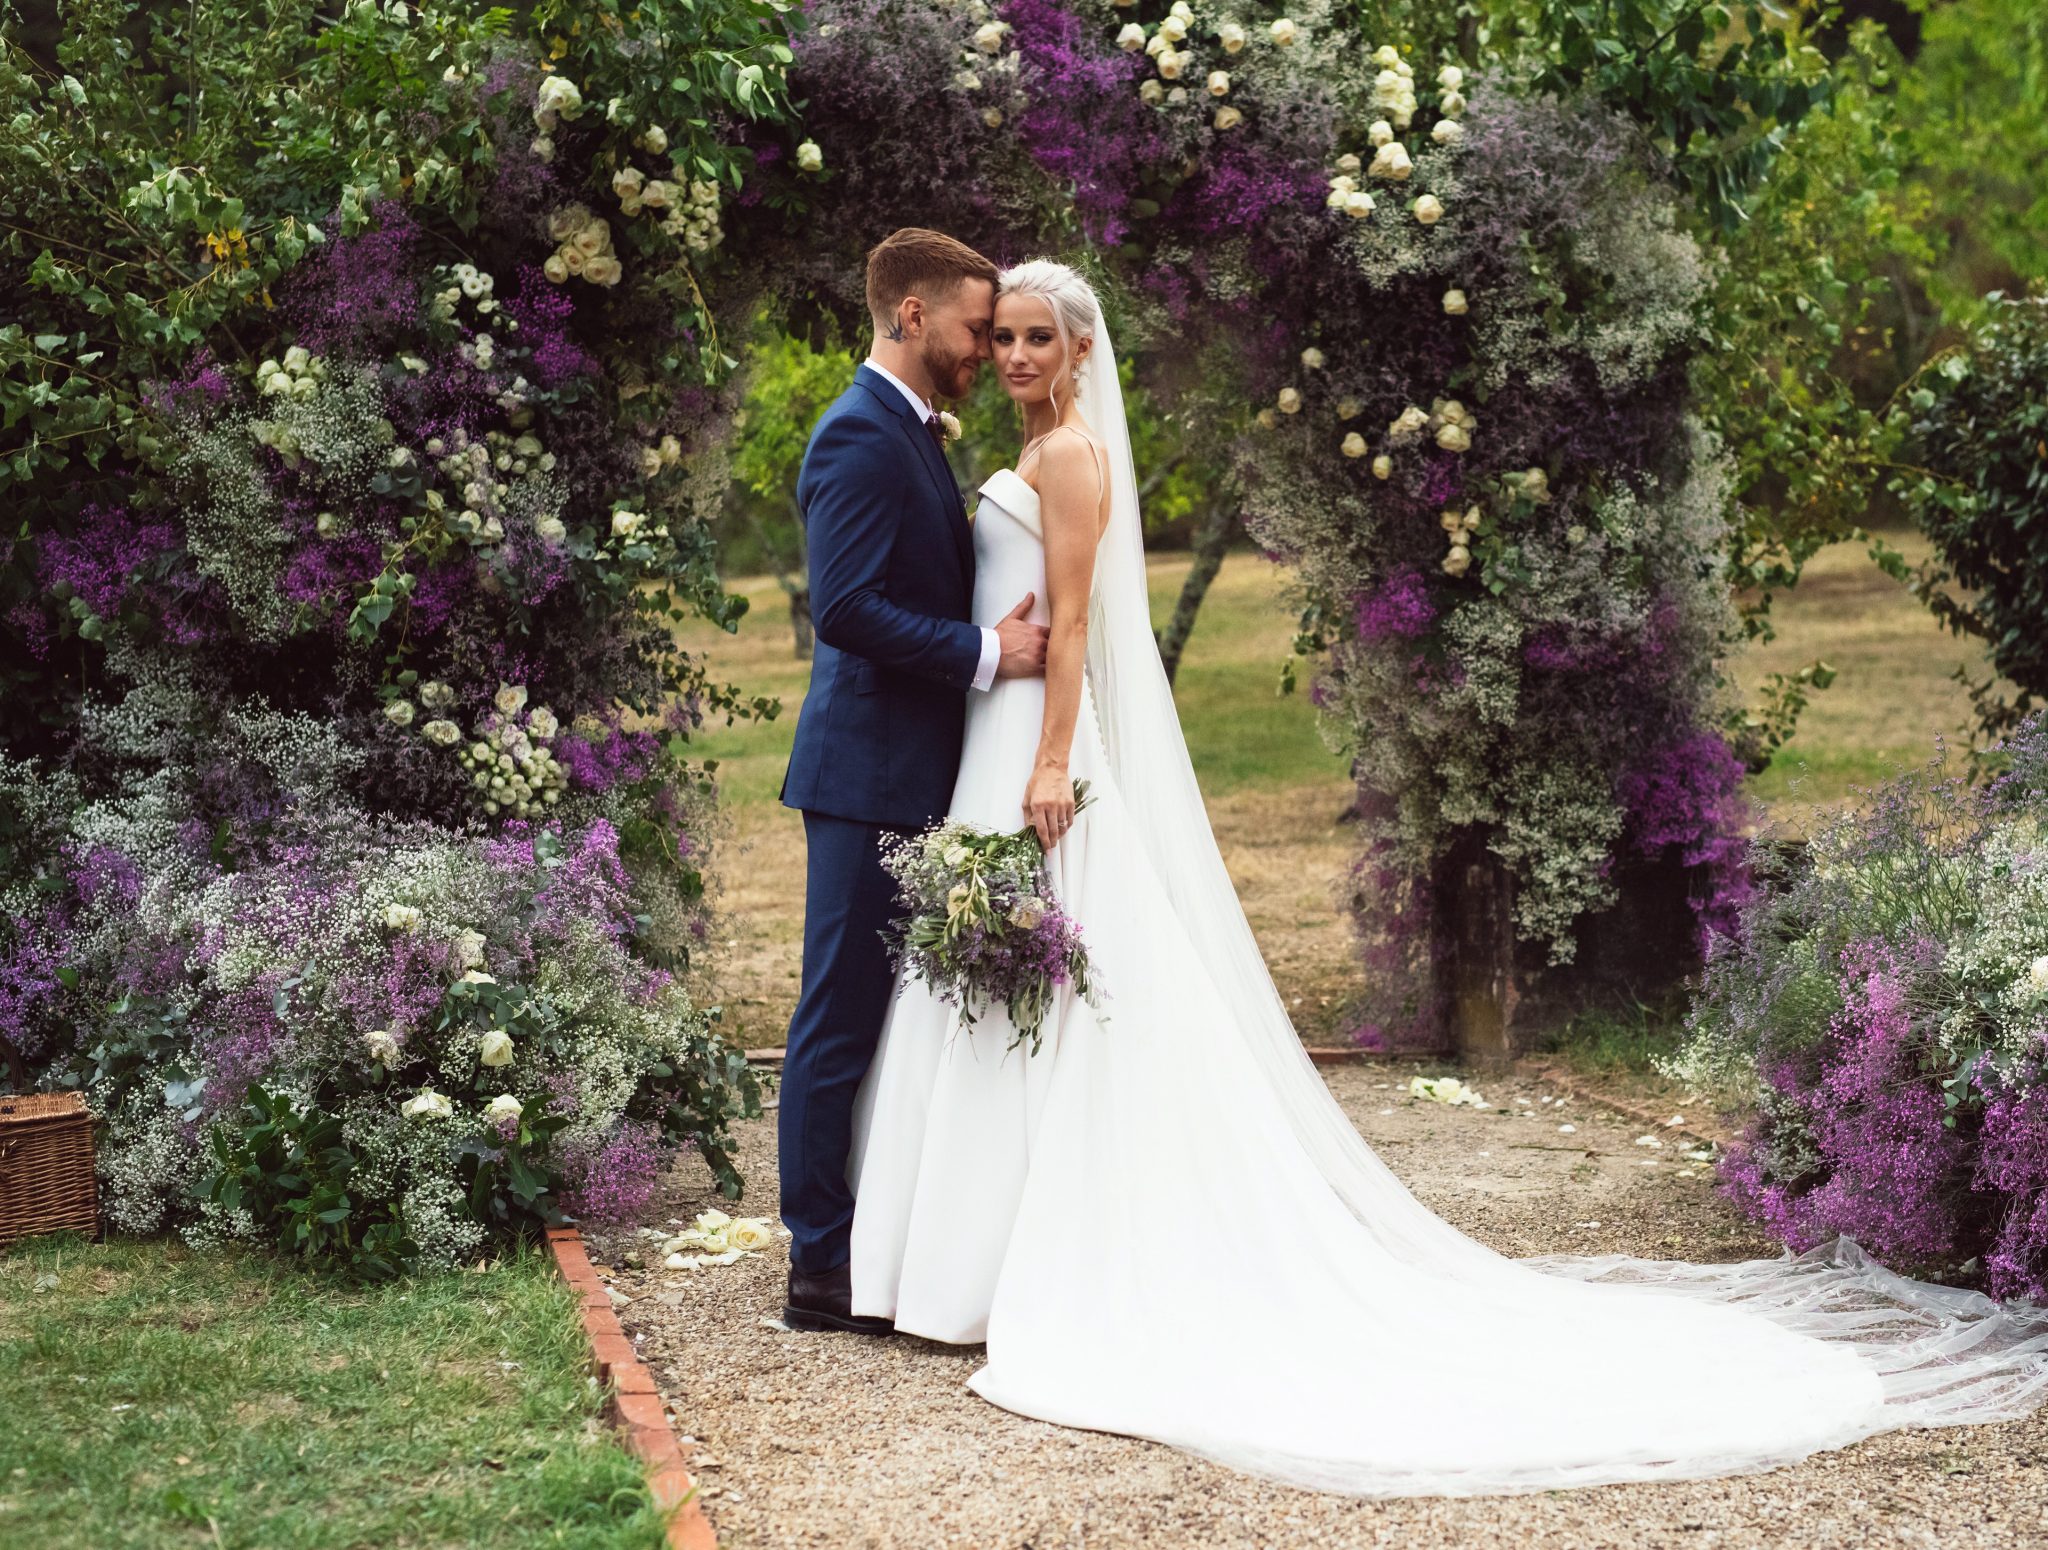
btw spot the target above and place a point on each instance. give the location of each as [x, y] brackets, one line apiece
[982, 925]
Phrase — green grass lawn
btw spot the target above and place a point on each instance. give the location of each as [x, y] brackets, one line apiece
[161, 1397]
[1241, 732]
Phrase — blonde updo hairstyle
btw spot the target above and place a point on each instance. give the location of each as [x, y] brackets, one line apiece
[1071, 297]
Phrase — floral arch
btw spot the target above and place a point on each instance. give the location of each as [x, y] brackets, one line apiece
[365, 433]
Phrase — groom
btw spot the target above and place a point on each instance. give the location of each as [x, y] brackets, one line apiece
[878, 741]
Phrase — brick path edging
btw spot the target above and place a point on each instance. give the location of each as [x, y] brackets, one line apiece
[635, 1404]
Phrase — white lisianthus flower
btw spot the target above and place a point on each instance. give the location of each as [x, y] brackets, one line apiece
[401, 917]
[1289, 401]
[1450, 78]
[1448, 131]
[1429, 209]
[988, 37]
[1219, 83]
[1383, 467]
[381, 1046]
[1455, 304]
[1354, 445]
[428, 1104]
[1359, 205]
[809, 158]
[1312, 358]
[1027, 914]
[504, 1107]
[1228, 117]
[494, 1048]
[626, 523]
[956, 856]
[1284, 32]
[1391, 161]
[399, 713]
[1132, 39]
[558, 98]
[510, 699]
[751, 1234]
[1232, 37]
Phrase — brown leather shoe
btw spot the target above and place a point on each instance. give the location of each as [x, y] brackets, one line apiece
[825, 1302]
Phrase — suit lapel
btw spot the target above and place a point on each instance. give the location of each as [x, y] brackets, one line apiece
[926, 450]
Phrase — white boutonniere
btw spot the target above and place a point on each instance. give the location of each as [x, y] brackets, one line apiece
[950, 424]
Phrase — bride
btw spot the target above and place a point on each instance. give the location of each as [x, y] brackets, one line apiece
[1164, 1225]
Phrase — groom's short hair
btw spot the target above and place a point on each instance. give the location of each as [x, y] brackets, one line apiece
[914, 261]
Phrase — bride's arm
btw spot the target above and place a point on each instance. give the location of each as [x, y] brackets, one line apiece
[1069, 505]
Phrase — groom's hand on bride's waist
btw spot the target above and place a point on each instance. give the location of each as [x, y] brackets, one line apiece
[1023, 643]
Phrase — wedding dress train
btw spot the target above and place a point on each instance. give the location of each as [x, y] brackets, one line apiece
[1163, 1225]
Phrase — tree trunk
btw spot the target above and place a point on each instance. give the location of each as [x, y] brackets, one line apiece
[1475, 955]
[800, 617]
[1219, 528]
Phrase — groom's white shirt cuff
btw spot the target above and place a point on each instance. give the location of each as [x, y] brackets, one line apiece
[991, 643]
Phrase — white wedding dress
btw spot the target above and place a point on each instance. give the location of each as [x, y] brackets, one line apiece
[1163, 1225]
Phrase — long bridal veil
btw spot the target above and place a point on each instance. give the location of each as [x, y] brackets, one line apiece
[1940, 1356]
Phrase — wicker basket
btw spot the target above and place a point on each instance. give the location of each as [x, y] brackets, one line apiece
[46, 1176]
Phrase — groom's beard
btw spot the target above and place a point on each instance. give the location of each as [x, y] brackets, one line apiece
[952, 375]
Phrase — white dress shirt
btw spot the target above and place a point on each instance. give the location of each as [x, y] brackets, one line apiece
[991, 643]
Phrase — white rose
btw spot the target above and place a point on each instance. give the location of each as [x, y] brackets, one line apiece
[2037, 971]
[559, 98]
[1383, 467]
[993, 117]
[1284, 32]
[1386, 56]
[650, 462]
[1349, 409]
[555, 269]
[1429, 209]
[593, 238]
[1448, 131]
[948, 421]
[712, 1221]
[1452, 105]
[542, 723]
[442, 734]
[1391, 161]
[382, 1047]
[1454, 438]
[1228, 117]
[1338, 198]
[1358, 206]
[510, 699]
[1450, 78]
[603, 270]
[495, 1048]
[988, 37]
[1232, 37]
[1454, 303]
[1312, 358]
[655, 140]
[750, 1233]
[1151, 91]
[469, 945]
[399, 713]
[628, 180]
[1289, 401]
[1408, 422]
[504, 1107]
[401, 917]
[1354, 445]
[1174, 29]
[809, 158]
[297, 359]
[658, 195]
[1171, 65]
[1458, 561]
[477, 977]
[427, 1105]
[1132, 39]
[626, 523]
[1219, 83]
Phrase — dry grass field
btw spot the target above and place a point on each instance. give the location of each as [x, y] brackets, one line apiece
[1275, 792]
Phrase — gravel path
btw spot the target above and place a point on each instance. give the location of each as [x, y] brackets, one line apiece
[857, 1444]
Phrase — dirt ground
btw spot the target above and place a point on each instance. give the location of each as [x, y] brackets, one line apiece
[857, 1444]
[1285, 851]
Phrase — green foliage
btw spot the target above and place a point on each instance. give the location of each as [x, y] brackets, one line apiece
[1978, 423]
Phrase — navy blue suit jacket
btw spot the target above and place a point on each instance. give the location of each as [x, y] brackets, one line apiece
[892, 588]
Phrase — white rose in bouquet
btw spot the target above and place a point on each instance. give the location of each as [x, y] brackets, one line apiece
[1219, 83]
[558, 98]
[626, 523]
[1383, 467]
[495, 1048]
[504, 1107]
[1131, 39]
[401, 917]
[1312, 358]
[1454, 303]
[1454, 438]
[1173, 29]
[1232, 37]
[510, 699]
[477, 977]
[427, 1105]
[1151, 92]
[1429, 209]
[443, 734]
[988, 37]
[1448, 131]
[469, 945]
[1289, 401]
[381, 1046]
[1450, 78]
[1391, 162]
[1379, 134]
[2037, 971]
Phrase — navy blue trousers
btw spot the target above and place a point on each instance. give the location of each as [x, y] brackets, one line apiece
[847, 979]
